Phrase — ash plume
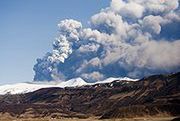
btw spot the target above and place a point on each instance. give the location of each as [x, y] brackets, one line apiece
[133, 38]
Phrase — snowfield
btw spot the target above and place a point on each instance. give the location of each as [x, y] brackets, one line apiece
[21, 88]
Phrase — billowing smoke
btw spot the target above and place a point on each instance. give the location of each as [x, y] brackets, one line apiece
[131, 38]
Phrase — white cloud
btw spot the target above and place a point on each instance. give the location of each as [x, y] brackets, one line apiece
[109, 22]
[90, 47]
[152, 24]
[93, 77]
[70, 28]
[131, 10]
[158, 6]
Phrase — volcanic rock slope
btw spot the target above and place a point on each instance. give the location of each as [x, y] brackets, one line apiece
[158, 94]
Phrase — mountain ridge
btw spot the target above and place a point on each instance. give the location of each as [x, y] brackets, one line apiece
[150, 96]
[25, 87]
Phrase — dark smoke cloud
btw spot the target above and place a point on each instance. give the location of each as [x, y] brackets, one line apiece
[131, 38]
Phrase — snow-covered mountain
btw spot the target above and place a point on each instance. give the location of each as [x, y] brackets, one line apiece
[110, 79]
[26, 87]
[73, 83]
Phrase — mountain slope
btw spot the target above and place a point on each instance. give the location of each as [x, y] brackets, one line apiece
[152, 95]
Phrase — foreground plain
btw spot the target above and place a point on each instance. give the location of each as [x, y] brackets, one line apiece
[9, 118]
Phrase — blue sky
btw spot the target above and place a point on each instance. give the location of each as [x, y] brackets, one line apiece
[28, 28]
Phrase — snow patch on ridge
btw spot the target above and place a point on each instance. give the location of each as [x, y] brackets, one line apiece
[21, 88]
[73, 83]
[111, 79]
